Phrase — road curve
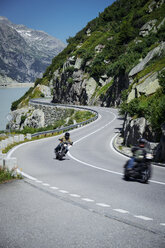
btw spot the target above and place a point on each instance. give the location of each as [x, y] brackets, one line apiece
[83, 200]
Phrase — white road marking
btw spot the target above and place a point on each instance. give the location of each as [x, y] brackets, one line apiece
[93, 166]
[75, 195]
[63, 191]
[112, 147]
[157, 182]
[45, 184]
[26, 175]
[87, 200]
[162, 224]
[103, 205]
[142, 217]
[53, 188]
[38, 181]
[121, 211]
[97, 130]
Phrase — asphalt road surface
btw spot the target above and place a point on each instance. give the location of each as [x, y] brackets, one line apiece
[81, 201]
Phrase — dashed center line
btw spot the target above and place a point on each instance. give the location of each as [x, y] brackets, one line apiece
[87, 200]
[142, 217]
[121, 211]
[63, 191]
[75, 195]
[103, 205]
[45, 184]
[53, 188]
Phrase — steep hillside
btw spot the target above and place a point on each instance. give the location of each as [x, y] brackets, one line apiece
[118, 59]
[24, 53]
[94, 68]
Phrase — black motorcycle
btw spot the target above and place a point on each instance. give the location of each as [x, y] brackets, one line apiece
[61, 152]
[141, 170]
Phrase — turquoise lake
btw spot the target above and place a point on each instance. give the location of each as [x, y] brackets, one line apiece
[7, 96]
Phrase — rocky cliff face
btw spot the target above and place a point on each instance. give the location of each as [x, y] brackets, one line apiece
[74, 85]
[25, 53]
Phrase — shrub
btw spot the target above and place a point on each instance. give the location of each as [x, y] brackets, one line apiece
[6, 174]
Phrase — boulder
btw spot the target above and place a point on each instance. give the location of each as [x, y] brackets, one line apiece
[90, 86]
[36, 120]
[18, 117]
[156, 51]
[88, 32]
[133, 130]
[99, 48]
[147, 87]
[70, 62]
[45, 90]
[78, 63]
[146, 28]
[77, 76]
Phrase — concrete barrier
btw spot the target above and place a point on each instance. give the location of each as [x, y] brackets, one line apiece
[2, 157]
[29, 136]
[4, 143]
[10, 162]
[16, 138]
[21, 137]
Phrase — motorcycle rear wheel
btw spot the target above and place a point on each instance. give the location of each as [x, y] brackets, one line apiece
[146, 175]
[126, 176]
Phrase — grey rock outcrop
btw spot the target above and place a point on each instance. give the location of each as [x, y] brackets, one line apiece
[157, 51]
[45, 90]
[78, 64]
[37, 116]
[148, 86]
[26, 117]
[133, 129]
[146, 28]
[36, 120]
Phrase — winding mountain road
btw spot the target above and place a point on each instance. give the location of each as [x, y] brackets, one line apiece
[81, 201]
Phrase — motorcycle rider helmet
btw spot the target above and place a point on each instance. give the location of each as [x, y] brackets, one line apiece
[142, 142]
[67, 135]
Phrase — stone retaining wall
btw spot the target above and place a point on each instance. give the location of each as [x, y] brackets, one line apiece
[51, 113]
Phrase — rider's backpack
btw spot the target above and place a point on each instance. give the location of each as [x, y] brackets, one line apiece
[139, 155]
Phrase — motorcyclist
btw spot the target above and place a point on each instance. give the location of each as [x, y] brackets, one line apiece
[64, 139]
[139, 153]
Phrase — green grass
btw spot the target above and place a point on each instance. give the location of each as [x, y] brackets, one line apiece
[7, 175]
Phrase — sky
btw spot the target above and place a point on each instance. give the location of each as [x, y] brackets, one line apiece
[59, 18]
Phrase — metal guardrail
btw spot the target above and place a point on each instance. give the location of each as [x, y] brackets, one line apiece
[67, 128]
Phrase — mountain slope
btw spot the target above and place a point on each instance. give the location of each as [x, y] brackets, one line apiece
[25, 53]
[118, 59]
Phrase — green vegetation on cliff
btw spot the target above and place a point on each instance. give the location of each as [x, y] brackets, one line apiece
[111, 45]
